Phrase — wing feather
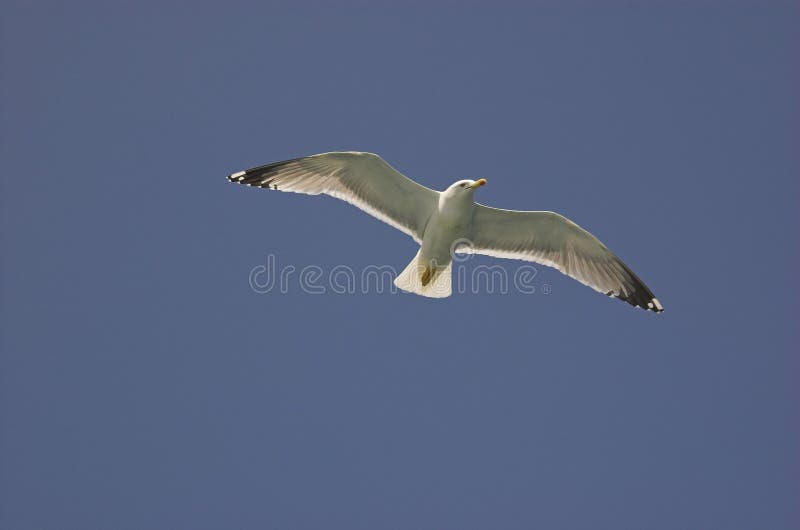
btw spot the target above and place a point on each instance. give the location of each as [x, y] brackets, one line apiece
[553, 240]
[364, 180]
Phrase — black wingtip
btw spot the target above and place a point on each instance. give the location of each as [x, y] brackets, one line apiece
[259, 176]
[655, 306]
[648, 303]
[237, 177]
[637, 293]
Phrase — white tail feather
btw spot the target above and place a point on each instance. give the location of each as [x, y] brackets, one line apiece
[410, 280]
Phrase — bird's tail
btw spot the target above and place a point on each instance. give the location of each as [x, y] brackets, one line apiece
[426, 279]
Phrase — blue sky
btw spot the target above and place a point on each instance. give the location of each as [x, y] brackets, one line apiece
[143, 384]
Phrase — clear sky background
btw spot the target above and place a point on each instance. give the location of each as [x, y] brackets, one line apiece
[144, 385]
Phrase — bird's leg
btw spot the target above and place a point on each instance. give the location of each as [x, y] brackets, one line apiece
[426, 275]
[428, 272]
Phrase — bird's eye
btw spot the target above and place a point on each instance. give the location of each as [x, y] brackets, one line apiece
[463, 184]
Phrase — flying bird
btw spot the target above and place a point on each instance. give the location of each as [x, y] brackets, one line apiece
[451, 221]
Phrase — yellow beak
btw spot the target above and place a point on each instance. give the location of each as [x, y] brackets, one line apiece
[478, 183]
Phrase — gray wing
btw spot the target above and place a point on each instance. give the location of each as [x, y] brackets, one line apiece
[362, 179]
[551, 239]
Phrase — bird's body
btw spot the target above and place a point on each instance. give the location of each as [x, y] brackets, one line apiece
[449, 222]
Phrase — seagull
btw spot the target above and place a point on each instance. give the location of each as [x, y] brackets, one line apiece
[450, 221]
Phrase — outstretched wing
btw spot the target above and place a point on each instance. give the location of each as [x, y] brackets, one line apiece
[362, 179]
[551, 239]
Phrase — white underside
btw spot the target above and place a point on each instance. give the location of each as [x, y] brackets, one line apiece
[410, 280]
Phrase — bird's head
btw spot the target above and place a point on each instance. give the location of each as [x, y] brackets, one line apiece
[464, 187]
